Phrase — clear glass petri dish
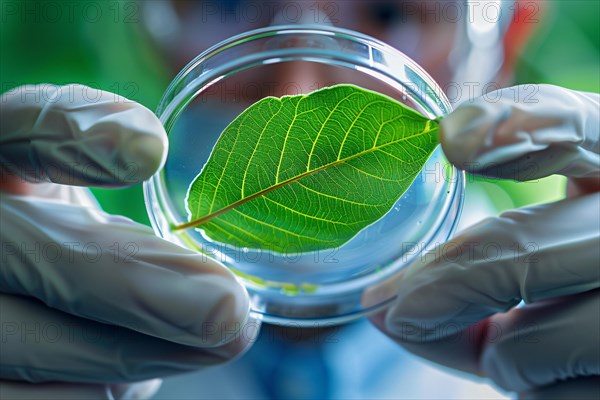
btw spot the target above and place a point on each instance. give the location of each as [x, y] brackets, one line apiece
[302, 289]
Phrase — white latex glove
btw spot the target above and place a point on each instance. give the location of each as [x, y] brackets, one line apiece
[89, 298]
[457, 305]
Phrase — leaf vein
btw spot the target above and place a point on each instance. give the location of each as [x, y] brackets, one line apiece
[352, 126]
[339, 198]
[256, 147]
[306, 215]
[287, 134]
[279, 228]
[322, 127]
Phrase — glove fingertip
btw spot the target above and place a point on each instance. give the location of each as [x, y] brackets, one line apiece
[462, 134]
[145, 152]
[134, 391]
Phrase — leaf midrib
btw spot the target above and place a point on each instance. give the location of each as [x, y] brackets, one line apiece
[238, 203]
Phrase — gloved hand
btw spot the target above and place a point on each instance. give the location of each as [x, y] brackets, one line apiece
[457, 305]
[88, 298]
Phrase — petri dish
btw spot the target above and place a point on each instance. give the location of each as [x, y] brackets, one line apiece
[322, 287]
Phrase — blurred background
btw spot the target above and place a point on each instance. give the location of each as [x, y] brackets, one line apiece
[135, 48]
[111, 46]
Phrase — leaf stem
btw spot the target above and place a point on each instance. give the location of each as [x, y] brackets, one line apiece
[208, 217]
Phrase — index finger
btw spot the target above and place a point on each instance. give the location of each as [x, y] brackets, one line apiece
[522, 134]
[77, 135]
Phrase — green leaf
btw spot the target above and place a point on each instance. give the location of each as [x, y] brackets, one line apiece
[308, 172]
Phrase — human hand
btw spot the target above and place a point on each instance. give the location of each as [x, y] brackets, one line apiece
[457, 305]
[94, 300]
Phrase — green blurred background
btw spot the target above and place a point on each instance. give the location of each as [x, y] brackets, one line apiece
[115, 53]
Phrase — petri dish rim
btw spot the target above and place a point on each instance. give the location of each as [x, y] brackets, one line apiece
[194, 78]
